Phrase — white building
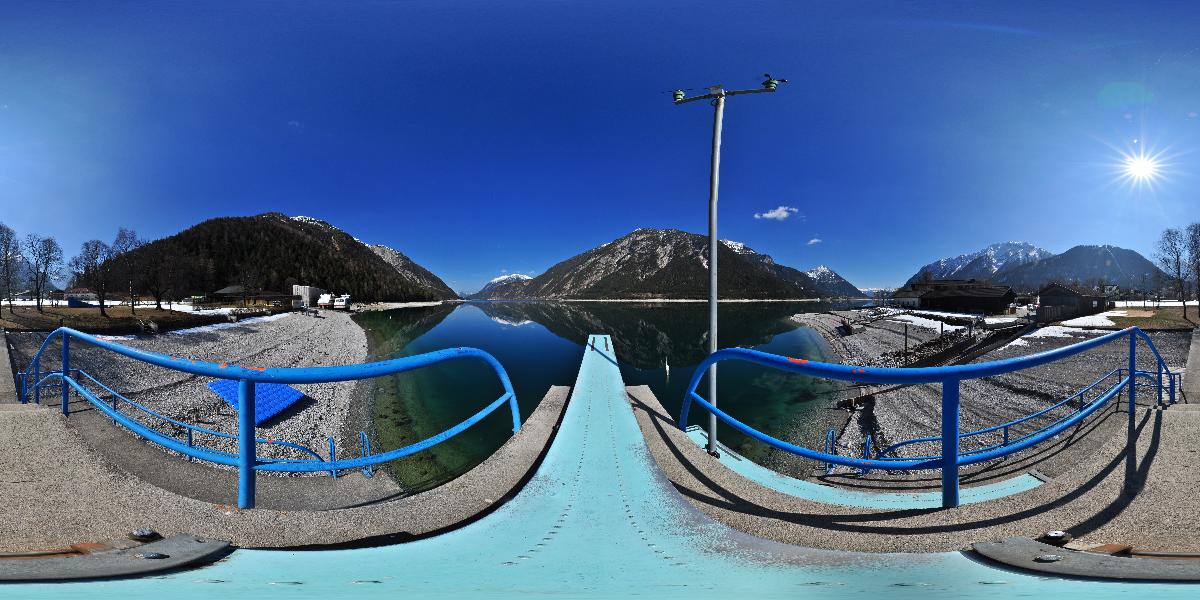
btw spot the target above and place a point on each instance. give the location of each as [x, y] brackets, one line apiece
[308, 295]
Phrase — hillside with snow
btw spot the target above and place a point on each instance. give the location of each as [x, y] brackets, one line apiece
[832, 284]
[660, 264]
[983, 264]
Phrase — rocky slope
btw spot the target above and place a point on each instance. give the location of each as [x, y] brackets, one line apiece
[832, 284]
[411, 271]
[661, 264]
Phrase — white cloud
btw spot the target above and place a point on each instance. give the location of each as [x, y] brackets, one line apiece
[815, 241]
[777, 214]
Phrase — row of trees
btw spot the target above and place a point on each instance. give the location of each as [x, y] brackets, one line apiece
[1179, 256]
[107, 270]
[35, 261]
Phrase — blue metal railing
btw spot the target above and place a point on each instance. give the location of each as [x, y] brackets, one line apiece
[246, 459]
[950, 458]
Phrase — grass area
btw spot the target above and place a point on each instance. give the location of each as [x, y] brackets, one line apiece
[120, 320]
[1167, 317]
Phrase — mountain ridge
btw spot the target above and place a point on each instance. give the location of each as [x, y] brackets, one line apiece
[649, 264]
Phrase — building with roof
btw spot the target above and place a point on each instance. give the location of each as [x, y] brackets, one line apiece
[1060, 301]
[957, 295]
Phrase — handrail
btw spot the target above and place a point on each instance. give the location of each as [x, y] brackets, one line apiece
[950, 378]
[195, 428]
[246, 459]
[882, 453]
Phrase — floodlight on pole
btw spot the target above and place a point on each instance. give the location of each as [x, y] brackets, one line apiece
[717, 94]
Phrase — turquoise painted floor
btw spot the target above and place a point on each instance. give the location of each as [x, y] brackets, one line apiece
[828, 494]
[596, 521]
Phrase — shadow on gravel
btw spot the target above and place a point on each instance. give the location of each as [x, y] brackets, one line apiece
[878, 522]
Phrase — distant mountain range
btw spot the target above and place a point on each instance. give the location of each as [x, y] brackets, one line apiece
[834, 285]
[984, 264]
[1025, 267]
[272, 251]
[662, 264]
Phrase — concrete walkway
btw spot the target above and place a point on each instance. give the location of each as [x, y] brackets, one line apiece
[55, 491]
[1142, 499]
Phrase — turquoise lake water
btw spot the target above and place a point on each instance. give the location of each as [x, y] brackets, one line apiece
[539, 345]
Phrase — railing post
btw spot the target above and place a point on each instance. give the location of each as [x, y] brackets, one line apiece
[66, 372]
[950, 408]
[189, 443]
[1132, 375]
[246, 458]
[37, 378]
[332, 457]
[1160, 382]
[22, 378]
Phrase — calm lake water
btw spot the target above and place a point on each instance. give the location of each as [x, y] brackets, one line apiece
[540, 344]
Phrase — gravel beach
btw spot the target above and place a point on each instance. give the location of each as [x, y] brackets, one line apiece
[289, 340]
[896, 414]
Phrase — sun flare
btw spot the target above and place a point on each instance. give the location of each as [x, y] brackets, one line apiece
[1141, 168]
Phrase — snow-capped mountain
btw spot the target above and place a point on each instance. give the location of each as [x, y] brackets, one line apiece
[1089, 266]
[504, 286]
[832, 284]
[983, 264]
[661, 263]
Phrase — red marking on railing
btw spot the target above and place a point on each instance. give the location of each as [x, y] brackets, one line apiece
[222, 366]
[253, 368]
[799, 361]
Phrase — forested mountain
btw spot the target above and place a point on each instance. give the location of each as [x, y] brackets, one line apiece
[662, 264]
[1087, 265]
[1026, 268]
[273, 251]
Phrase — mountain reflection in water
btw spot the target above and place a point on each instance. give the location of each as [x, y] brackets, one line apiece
[540, 344]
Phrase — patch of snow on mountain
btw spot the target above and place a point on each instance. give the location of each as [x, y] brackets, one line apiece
[738, 247]
[510, 277]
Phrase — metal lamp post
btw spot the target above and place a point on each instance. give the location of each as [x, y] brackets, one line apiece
[717, 95]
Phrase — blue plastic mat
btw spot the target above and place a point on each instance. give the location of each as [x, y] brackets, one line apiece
[269, 398]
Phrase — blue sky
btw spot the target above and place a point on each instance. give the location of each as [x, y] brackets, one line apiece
[484, 137]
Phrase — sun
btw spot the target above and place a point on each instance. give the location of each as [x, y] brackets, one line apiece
[1141, 168]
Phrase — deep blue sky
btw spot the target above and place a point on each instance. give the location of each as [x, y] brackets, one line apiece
[482, 138]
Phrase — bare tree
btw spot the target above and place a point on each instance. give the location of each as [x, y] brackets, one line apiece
[46, 262]
[10, 262]
[1192, 233]
[1171, 256]
[92, 269]
[126, 268]
[100, 266]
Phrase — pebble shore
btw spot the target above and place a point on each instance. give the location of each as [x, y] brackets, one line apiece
[895, 414]
[291, 340]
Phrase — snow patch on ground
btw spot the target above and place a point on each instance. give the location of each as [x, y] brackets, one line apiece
[1057, 331]
[1100, 320]
[1017, 342]
[926, 323]
[203, 328]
